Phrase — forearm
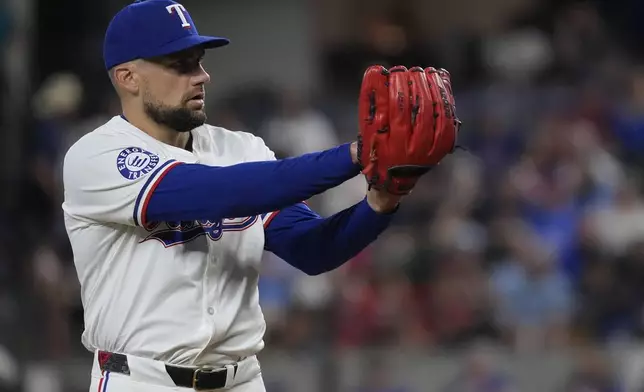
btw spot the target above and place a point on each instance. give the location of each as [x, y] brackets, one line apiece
[318, 245]
[194, 192]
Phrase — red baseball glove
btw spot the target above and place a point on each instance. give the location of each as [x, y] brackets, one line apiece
[408, 124]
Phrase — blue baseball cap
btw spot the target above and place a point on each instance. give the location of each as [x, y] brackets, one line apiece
[151, 28]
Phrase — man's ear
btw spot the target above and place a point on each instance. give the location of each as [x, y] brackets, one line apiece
[125, 78]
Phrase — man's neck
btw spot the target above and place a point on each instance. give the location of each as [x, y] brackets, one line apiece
[156, 130]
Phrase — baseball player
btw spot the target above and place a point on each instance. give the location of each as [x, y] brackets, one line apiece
[168, 218]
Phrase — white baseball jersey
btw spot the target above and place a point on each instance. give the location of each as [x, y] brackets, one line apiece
[181, 292]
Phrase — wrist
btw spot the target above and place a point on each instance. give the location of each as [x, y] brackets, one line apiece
[382, 202]
[354, 152]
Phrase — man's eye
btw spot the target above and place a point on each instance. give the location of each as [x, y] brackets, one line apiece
[185, 66]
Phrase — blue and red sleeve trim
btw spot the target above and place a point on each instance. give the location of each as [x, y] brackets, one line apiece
[143, 199]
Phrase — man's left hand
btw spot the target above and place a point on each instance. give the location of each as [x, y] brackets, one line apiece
[382, 201]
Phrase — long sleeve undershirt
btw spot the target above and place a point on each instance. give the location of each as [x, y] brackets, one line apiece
[296, 234]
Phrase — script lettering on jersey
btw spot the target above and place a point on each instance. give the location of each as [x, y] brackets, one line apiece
[179, 9]
[176, 233]
[134, 163]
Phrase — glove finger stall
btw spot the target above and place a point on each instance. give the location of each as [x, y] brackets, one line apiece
[422, 137]
[444, 130]
[374, 117]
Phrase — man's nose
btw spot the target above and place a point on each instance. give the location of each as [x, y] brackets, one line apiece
[202, 76]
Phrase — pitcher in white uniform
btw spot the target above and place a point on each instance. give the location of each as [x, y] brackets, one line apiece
[168, 218]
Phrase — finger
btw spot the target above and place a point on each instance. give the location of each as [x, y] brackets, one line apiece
[447, 82]
[374, 103]
[421, 113]
[444, 124]
[373, 110]
[399, 108]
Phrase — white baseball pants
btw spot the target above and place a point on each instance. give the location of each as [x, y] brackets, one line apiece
[150, 376]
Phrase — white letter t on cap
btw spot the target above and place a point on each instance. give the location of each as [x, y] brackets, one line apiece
[180, 9]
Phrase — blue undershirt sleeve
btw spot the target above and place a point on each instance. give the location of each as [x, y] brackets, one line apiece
[199, 192]
[316, 245]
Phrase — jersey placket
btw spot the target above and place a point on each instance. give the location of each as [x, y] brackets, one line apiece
[211, 290]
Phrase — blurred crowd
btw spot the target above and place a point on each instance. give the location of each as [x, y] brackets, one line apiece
[532, 239]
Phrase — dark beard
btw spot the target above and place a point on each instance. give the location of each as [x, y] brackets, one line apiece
[179, 119]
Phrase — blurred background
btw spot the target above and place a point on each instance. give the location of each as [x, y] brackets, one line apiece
[516, 266]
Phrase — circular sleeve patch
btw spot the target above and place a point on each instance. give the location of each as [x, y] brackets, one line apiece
[134, 163]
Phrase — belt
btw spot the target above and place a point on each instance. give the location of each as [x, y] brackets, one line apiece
[197, 378]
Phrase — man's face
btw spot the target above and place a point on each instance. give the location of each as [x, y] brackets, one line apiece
[173, 90]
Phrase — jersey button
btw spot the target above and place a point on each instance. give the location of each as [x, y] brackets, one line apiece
[211, 311]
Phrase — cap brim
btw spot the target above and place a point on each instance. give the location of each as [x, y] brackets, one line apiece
[187, 43]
